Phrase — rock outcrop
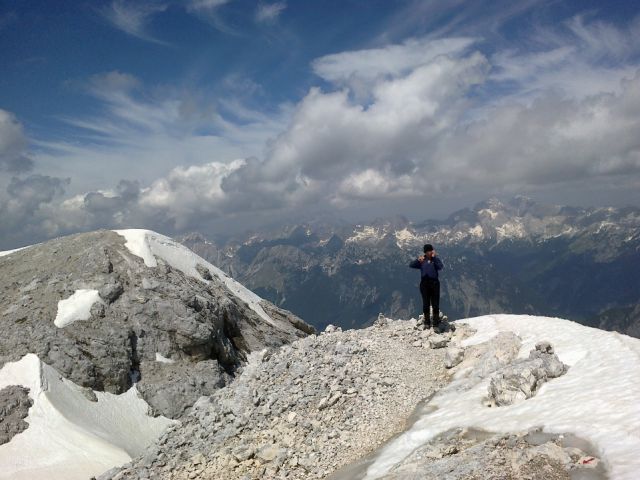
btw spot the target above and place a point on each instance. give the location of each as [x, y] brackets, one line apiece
[521, 380]
[95, 311]
[14, 407]
[474, 455]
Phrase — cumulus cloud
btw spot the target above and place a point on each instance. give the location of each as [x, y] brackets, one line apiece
[25, 207]
[552, 141]
[13, 145]
[269, 12]
[189, 193]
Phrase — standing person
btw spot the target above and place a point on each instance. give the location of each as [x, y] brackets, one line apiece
[429, 265]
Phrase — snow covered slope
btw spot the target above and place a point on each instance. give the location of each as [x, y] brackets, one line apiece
[70, 437]
[9, 252]
[150, 245]
[598, 399]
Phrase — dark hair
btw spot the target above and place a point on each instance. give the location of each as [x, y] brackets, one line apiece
[428, 247]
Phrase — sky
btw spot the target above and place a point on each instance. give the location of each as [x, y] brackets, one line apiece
[222, 115]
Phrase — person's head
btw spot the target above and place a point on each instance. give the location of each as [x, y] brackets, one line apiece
[428, 249]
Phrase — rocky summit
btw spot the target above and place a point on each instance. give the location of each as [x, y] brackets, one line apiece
[324, 406]
[94, 310]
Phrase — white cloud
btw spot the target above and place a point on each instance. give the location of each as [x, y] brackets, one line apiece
[604, 40]
[554, 140]
[269, 12]
[13, 145]
[331, 136]
[133, 17]
[144, 133]
[189, 192]
[205, 5]
[577, 60]
[361, 69]
[424, 119]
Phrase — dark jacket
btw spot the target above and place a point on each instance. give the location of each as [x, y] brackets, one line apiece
[427, 268]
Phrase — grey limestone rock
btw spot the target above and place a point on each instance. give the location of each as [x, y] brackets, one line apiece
[453, 357]
[474, 454]
[111, 291]
[381, 321]
[14, 408]
[144, 311]
[439, 340]
[522, 379]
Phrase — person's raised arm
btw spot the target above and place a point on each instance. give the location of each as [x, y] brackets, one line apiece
[438, 263]
[417, 263]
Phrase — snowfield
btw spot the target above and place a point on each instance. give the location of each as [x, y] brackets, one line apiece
[150, 245]
[598, 399]
[70, 437]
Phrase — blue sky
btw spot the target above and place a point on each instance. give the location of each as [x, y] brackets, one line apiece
[212, 114]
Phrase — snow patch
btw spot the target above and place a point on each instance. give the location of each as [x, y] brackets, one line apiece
[364, 234]
[488, 212]
[151, 245]
[162, 359]
[70, 437]
[476, 231]
[597, 399]
[404, 237]
[511, 230]
[136, 242]
[9, 252]
[76, 307]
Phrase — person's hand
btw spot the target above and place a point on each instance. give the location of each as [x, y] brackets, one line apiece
[433, 253]
[421, 258]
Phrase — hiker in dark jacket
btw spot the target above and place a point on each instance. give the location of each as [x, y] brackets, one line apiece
[429, 265]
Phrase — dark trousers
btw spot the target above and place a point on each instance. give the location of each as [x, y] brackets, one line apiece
[430, 291]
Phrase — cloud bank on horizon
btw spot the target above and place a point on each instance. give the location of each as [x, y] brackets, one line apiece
[497, 99]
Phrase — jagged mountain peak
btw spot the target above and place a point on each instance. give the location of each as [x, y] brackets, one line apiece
[195, 237]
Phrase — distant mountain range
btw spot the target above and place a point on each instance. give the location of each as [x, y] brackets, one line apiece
[515, 257]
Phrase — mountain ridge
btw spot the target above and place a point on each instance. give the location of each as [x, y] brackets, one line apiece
[514, 256]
